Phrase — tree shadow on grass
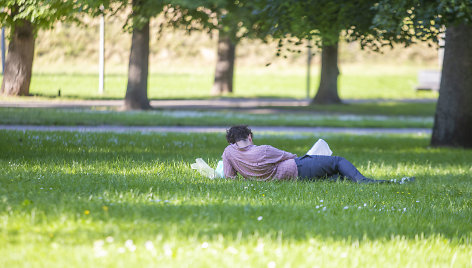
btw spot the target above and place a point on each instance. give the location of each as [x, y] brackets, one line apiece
[149, 206]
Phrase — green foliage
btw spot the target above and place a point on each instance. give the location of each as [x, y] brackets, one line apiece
[382, 23]
[410, 21]
[225, 16]
[321, 21]
[106, 199]
[41, 13]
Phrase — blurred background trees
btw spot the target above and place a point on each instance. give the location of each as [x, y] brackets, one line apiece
[25, 18]
[372, 24]
[411, 21]
[322, 22]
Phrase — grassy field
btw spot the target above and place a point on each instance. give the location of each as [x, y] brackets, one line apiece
[356, 82]
[386, 115]
[359, 82]
[105, 199]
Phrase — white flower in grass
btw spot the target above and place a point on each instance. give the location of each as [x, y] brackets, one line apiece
[324, 208]
[317, 206]
[259, 218]
[130, 245]
[98, 244]
[346, 207]
[100, 253]
[109, 239]
[260, 247]
[232, 250]
[167, 250]
[321, 201]
[205, 245]
[271, 264]
[365, 204]
[149, 246]
[98, 249]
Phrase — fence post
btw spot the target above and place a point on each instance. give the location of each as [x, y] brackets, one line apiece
[101, 62]
[308, 71]
[3, 50]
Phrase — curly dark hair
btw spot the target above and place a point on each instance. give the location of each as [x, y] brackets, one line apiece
[237, 133]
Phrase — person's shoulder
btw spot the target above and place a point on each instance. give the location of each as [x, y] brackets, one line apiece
[272, 150]
[267, 147]
[227, 149]
[263, 146]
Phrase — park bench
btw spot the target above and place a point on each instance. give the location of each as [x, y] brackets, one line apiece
[429, 80]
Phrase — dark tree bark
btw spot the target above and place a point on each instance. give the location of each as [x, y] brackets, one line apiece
[19, 61]
[136, 91]
[453, 119]
[224, 70]
[328, 89]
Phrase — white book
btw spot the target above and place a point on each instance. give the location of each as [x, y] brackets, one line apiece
[320, 148]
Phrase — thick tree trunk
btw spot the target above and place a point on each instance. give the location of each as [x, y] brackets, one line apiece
[224, 70]
[19, 61]
[328, 89]
[136, 91]
[453, 119]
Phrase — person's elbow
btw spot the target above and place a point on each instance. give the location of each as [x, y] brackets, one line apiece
[231, 175]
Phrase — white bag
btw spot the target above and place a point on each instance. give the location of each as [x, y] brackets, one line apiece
[320, 148]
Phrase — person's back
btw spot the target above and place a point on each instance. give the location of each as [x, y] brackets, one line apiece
[261, 162]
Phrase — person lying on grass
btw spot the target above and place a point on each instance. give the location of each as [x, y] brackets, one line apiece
[265, 162]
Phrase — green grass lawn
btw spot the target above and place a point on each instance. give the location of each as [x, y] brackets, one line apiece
[104, 199]
[356, 82]
[388, 108]
[386, 115]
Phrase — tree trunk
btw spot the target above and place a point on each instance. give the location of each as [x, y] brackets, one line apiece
[328, 89]
[19, 60]
[224, 70]
[136, 91]
[453, 119]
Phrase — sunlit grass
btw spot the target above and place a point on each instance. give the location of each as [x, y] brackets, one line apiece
[356, 82]
[89, 199]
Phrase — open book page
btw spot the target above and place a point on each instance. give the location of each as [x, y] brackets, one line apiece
[203, 168]
[320, 148]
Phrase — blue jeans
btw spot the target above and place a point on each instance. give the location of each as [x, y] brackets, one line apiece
[312, 167]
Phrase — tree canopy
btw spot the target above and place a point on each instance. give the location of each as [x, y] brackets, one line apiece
[410, 21]
[42, 14]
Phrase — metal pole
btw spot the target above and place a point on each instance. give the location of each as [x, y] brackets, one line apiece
[308, 71]
[442, 42]
[101, 64]
[3, 51]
